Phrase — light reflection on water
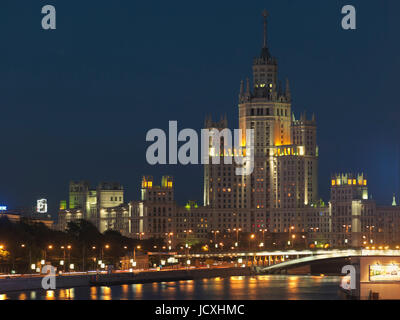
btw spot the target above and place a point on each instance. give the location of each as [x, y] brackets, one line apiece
[263, 287]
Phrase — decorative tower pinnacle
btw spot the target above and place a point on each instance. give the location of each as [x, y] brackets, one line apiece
[288, 93]
[248, 92]
[265, 15]
[241, 93]
[394, 200]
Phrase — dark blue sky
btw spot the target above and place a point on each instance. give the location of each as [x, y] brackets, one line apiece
[77, 102]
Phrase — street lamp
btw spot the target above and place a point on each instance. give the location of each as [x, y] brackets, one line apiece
[170, 235]
[134, 251]
[237, 236]
[45, 250]
[346, 226]
[102, 251]
[252, 236]
[69, 247]
[30, 253]
[186, 244]
[215, 235]
[263, 232]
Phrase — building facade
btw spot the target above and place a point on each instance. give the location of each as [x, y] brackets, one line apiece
[100, 206]
[279, 197]
[285, 176]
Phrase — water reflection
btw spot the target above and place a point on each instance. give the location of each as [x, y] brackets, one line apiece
[50, 295]
[93, 293]
[22, 296]
[263, 287]
[106, 293]
[66, 294]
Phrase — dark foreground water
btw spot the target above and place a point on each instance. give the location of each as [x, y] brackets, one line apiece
[270, 287]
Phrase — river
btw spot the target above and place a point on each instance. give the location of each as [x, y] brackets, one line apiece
[266, 287]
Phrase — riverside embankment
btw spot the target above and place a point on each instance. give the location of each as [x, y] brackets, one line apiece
[82, 280]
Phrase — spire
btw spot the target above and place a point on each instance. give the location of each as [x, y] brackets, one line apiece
[280, 88]
[247, 87]
[264, 51]
[241, 88]
[265, 15]
[288, 92]
[394, 200]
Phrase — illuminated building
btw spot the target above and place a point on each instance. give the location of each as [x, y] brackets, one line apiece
[27, 216]
[154, 215]
[352, 213]
[100, 205]
[281, 195]
[157, 215]
[285, 174]
[389, 225]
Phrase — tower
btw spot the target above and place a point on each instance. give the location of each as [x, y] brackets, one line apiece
[285, 170]
[350, 210]
[285, 175]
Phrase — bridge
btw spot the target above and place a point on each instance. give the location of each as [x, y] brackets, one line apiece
[329, 256]
[275, 261]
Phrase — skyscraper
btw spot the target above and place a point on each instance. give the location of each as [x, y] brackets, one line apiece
[285, 153]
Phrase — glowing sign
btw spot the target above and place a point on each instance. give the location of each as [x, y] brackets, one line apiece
[41, 206]
[3, 208]
[390, 272]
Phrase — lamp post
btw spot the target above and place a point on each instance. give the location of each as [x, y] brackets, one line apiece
[291, 229]
[63, 248]
[252, 236]
[134, 251]
[102, 251]
[293, 237]
[169, 237]
[30, 254]
[69, 247]
[237, 236]
[313, 237]
[263, 232]
[346, 227]
[94, 258]
[215, 237]
[45, 251]
[186, 244]
[370, 233]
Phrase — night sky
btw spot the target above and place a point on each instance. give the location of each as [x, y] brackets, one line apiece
[77, 102]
